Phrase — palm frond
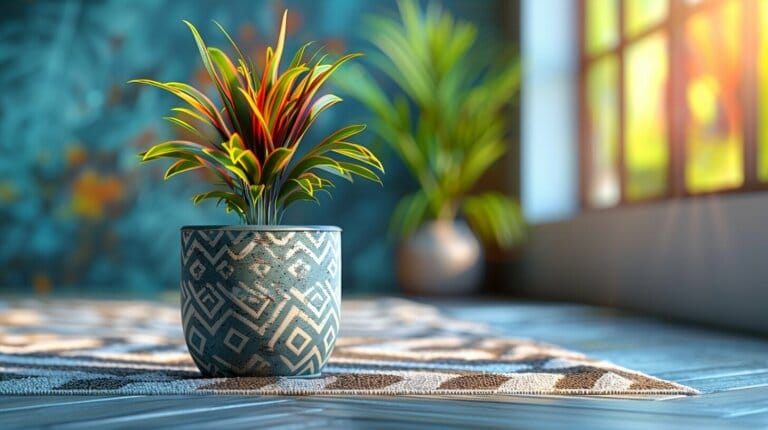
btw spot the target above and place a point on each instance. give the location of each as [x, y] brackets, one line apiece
[496, 218]
[447, 119]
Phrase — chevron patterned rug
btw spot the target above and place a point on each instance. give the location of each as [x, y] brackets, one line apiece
[386, 347]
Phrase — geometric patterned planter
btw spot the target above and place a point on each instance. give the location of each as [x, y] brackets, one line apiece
[260, 300]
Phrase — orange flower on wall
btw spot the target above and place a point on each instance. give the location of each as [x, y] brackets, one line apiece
[94, 194]
[76, 155]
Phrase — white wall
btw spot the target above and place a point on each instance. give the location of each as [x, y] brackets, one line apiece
[549, 159]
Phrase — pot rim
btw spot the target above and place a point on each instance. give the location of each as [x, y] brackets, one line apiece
[255, 227]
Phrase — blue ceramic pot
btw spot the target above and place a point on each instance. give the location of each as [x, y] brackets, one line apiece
[260, 300]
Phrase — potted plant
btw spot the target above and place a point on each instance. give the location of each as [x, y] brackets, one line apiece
[261, 299]
[446, 122]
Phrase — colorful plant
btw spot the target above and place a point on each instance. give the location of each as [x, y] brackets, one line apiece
[258, 130]
[457, 129]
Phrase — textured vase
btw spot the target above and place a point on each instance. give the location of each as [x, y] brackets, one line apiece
[440, 258]
[260, 300]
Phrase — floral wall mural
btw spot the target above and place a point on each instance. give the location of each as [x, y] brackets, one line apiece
[78, 214]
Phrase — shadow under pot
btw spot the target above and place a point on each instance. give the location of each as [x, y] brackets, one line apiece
[260, 300]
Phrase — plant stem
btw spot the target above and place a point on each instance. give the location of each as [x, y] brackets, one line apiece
[447, 211]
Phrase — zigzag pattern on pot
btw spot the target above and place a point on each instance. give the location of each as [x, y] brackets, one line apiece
[297, 318]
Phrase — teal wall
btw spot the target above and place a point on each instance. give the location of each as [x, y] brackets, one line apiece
[78, 213]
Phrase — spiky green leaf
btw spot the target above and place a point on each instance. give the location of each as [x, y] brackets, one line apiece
[181, 166]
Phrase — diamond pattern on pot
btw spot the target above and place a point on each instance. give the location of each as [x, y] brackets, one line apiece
[260, 268]
[279, 315]
[235, 340]
[225, 269]
[197, 270]
[299, 268]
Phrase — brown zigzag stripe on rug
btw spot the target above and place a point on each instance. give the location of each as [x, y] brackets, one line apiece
[385, 347]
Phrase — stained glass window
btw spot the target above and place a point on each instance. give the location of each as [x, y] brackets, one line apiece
[645, 83]
[602, 29]
[640, 15]
[762, 87]
[714, 135]
[675, 98]
[603, 105]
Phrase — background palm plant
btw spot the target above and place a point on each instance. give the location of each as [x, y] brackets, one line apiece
[258, 129]
[447, 123]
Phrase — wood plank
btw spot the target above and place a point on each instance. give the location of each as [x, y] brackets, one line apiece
[66, 414]
[31, 403]
[410, 412]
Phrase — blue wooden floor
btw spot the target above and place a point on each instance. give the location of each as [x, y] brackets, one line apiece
[730, 369]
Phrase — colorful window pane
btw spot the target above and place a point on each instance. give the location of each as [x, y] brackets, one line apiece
[603, 131]
[639, 15]
[762, 88]
[646, 149]
[602, 26]
[714, 132]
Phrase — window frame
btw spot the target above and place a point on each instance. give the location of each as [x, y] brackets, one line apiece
[673, 25]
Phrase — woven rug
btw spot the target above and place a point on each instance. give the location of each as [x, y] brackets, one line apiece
[385, 347]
